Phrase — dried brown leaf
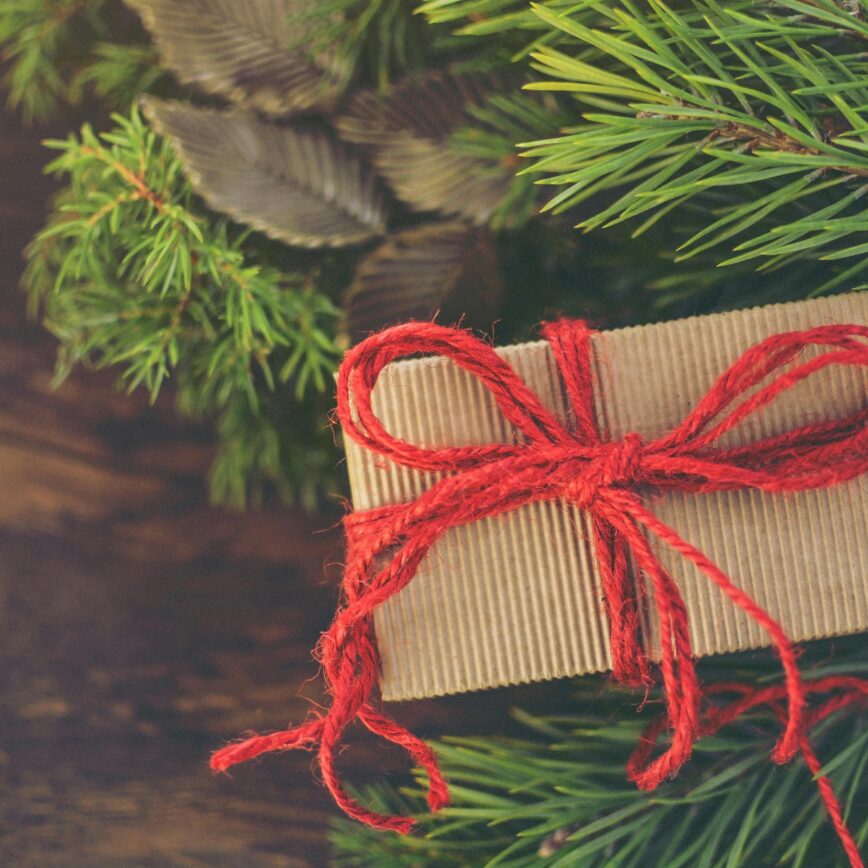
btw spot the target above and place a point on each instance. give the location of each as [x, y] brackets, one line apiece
[243, 50]
[447, 267]
[299, 185]
[409, 133]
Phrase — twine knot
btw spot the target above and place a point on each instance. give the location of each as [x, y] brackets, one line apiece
[618, 464]
[385, 546]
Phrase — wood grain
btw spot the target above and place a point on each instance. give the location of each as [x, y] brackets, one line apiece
[141, 627]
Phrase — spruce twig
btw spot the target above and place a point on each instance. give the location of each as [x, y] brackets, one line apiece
[181, 300]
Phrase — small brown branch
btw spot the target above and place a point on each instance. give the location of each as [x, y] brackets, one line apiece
[126, 196]
[135, 181]
[753, 138]
[778, 141]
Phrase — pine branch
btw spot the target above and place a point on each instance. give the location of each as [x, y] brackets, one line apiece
[489, 137]
[712, 101]
[559, 796]
[131, 272]
[117, 73]
[486, 17]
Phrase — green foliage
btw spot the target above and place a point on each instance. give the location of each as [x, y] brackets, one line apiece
[511, 21]
[479, 15]
[559, 795]
[490, 136]
[116, 74]
[275, 446]
[706, 101]
[131, 272]
[39, 38]
[57, 52]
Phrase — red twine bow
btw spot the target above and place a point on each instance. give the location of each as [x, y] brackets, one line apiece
[581, 465]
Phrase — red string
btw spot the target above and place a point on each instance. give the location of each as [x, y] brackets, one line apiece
[580, 464]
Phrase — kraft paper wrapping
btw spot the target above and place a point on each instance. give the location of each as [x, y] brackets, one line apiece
[517, 598]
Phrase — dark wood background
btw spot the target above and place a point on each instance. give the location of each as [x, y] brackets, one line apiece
[141, 627]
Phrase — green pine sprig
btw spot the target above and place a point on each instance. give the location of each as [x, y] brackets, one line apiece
[132, 272]
[558, 795]
[495, 126]
[700, 102]
[117, 73]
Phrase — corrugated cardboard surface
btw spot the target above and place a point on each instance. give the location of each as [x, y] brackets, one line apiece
[517, 598]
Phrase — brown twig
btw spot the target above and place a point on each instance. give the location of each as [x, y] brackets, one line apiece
[137, 182]
[778, 141]
[753, 139]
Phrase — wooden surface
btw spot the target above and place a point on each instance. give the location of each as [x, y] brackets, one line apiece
[141, 628]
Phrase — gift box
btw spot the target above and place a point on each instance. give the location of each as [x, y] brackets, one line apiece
[517, 597]
[600, 500]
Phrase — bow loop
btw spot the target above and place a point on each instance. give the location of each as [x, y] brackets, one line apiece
[767, 359]
[364, 363]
